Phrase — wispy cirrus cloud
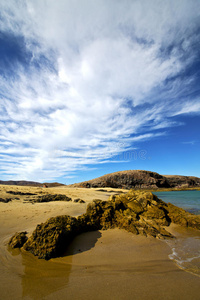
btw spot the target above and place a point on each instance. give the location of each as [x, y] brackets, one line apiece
[83, 77]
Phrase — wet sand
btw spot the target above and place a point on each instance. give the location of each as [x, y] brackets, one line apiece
[112, 264]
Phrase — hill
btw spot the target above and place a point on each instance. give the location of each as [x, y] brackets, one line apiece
[29, 183]
[140, 179]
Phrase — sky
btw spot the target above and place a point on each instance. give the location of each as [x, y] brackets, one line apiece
[93, 87]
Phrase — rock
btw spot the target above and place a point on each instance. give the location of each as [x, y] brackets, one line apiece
[50, 197]
[137, 212]
[50, 238]
[6, 200]
[181, 217]
[20, 193]
[18, 240]
[81, 201]
[78, 200]
[159, 215]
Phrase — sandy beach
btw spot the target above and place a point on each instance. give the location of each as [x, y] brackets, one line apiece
[112, 264]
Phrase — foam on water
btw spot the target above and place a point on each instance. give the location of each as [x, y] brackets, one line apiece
[186, 253]
[186, 247]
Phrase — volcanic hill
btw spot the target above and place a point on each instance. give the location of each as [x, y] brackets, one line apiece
[140, 179]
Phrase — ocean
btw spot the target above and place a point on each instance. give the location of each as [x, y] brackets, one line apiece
[185, 249]
[188, 200]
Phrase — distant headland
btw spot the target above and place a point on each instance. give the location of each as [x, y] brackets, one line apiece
[30, 183]
[140, 179]
[131, 179]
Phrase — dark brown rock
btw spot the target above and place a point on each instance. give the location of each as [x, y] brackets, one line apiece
[20, 193]
[5, 200]
[177, 181]
[50, 238]
[78, 200]
[18, 240]
[51, 197]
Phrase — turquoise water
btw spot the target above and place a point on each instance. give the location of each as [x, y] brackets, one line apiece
[185, 248]
[188, 200]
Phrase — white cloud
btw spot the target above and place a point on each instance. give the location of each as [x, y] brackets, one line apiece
[96, 75]
[189, 107]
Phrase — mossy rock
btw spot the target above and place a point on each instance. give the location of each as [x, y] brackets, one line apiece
[183, 218]
[136, 207]
[50, 197]
[137, 212]
[18, 239]
[158, 215]
[50, 238]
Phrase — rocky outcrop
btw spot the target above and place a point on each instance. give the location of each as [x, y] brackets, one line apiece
[181, 217]
[139, 179]
[18, 240]
[78, 200]
[20, 193]
[137, 212]
[51, 197]
[5, 200]
[49, 239]
[39, 199]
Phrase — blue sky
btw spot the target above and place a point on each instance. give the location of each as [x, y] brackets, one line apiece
[92, 87]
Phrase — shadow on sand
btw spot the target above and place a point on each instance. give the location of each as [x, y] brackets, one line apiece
[83, 242]
[42, 278]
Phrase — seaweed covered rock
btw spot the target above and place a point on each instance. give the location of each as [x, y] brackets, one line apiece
[181, 217]
[50, 197]
[18, 240]
[101, 214]
[50, 238]
[137, 212]
[141, 213]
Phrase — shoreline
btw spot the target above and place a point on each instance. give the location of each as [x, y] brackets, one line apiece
[70, 186]
[112, 264]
